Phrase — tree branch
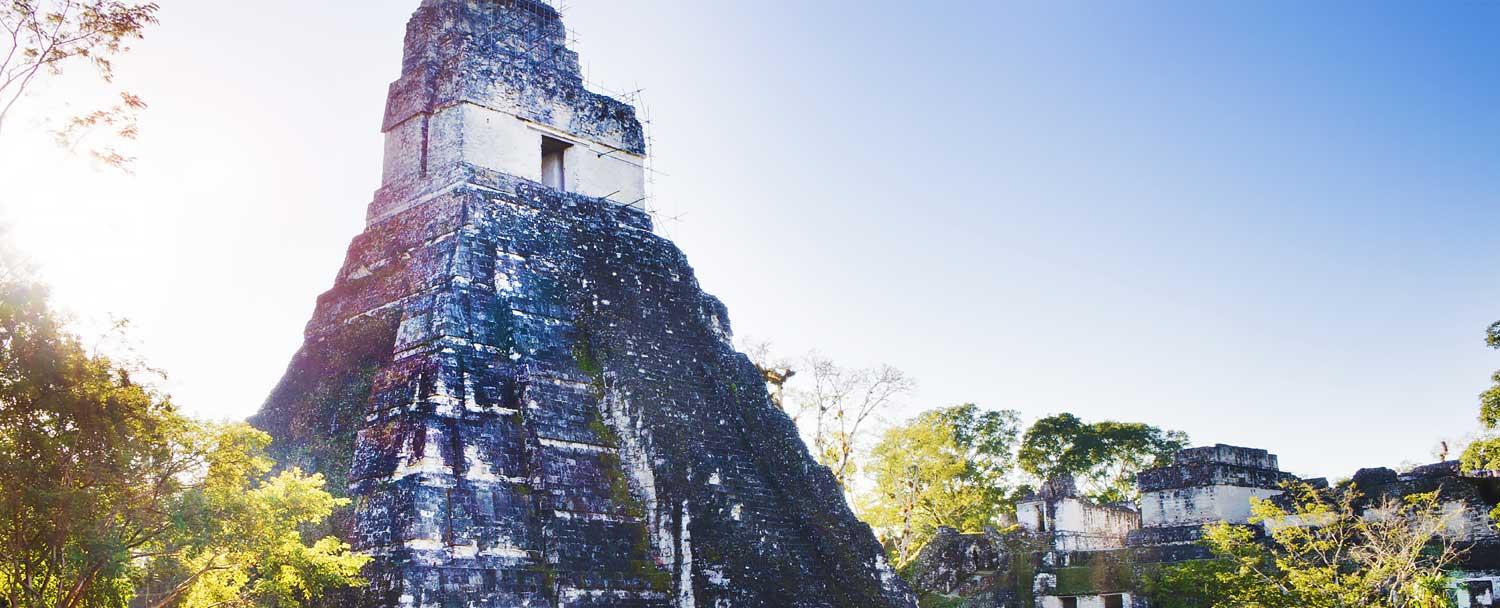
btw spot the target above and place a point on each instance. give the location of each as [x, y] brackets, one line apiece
[184, 586]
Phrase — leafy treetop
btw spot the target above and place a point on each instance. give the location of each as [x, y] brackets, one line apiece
[1104, 457]
[950, 467]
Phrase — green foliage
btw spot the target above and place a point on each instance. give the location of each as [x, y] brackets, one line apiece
[242, 543]
[587, 360]
[1484, 453]
[1023, 549]
[1489, 404]
[1321, 554]
[583, 354]
[105, 487]
[82, 447]
[1102, 575]
[606, 435]
[948, 467]
[934, 600]
[1104, 457]
[1188, 585]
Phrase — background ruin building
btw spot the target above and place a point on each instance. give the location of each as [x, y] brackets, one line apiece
[524, 389]
[1070, 553]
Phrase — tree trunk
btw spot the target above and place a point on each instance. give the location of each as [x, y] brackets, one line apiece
[76, 595]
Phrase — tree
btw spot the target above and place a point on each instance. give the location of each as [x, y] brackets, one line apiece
[86, 454]
[240, 544]
[46, 36]
[838, 408]
[951, 467]
[1322, 553]
[1484, 453]
[1104, 457]
[103, 484]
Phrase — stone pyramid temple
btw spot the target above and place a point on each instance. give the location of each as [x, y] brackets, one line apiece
[523, 389]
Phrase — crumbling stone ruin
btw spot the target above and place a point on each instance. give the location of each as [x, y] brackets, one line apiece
[1064, 551]
[1080, 544]
[1469, 499]
[972, 566]
[1072, 523]
[524, 389]
[1071, 553]
[1202, 486]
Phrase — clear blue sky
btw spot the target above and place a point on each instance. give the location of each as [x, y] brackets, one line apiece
[1264, 223]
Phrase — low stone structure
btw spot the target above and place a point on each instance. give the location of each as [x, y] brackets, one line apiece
[976, 569]
[1078, 563]
[1071, 523]
[1468, 500]
[1202, 486]
[1070, 553]
[1066, 552]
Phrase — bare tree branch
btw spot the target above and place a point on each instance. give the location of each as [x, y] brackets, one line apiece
[842, 403]
[47, 35]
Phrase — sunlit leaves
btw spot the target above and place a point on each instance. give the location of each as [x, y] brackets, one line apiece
[120, 121]
[105, 489]
[1483, 455]
[950, 467]
[47, 36]
[1322, 552]
[87, 456]
[257, 556]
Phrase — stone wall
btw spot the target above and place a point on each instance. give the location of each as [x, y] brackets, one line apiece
[1202, 486]
[1468, 501]
[961, 565]
[1073, 524]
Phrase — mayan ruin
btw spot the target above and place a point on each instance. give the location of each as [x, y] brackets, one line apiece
[523, 386]
[1070, 553]
[427, 304]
